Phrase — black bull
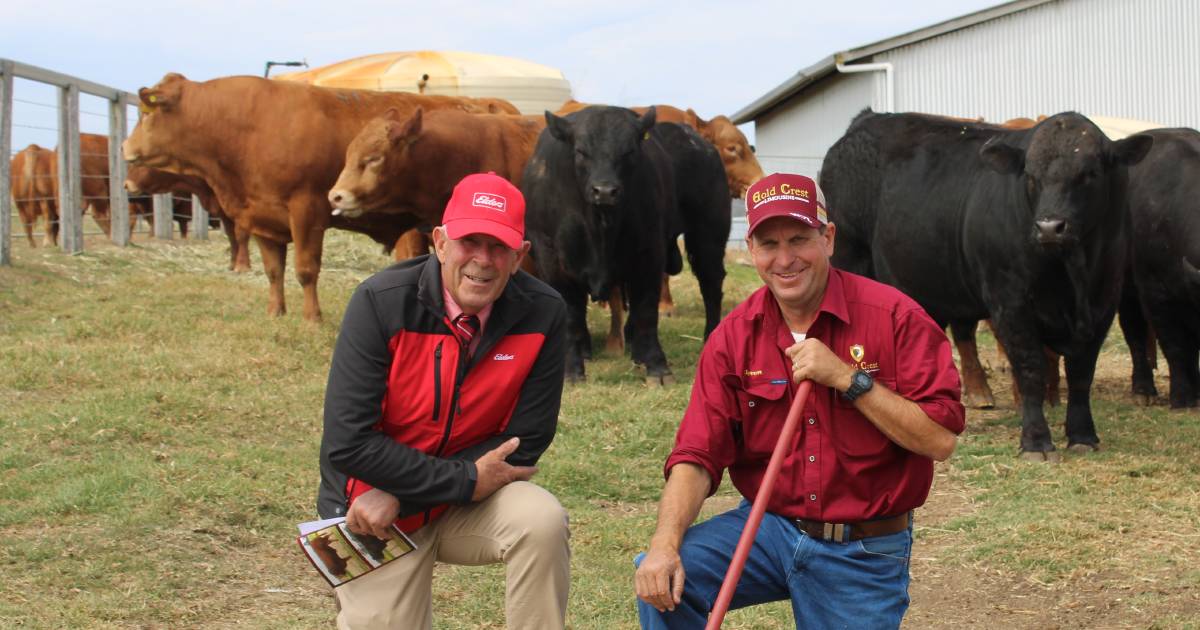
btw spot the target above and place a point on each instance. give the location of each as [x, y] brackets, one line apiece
[1026, 227]
[607, 193]
[1164, 203]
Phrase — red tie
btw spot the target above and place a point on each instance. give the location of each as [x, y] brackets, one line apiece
[465, 328]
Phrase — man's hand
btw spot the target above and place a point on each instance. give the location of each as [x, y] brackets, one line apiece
[493, 473]
[659, 579]
[814, 361]
[373, 513]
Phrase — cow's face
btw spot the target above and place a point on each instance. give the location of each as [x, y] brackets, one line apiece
[741, 166]
[607, 147]
[377, 152]
[162, 127]
[1070, 173]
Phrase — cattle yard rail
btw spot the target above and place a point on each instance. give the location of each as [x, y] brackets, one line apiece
[70, 187]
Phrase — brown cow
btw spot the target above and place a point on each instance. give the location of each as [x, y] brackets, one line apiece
[410, 164]
[328, 555]
[271, 151]
[145, 180]
[35, 191]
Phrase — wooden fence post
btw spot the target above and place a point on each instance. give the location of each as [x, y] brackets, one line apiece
[199, 220]
[118, 198]
[164, 215]
[70, 189]
[6, 99]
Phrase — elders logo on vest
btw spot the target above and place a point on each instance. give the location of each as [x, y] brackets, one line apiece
[491, 201]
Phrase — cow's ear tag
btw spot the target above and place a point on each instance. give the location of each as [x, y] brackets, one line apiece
[153, 98]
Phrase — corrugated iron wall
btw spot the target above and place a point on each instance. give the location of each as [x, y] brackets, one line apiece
[1122, 58]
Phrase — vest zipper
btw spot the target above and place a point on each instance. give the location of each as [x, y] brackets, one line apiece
[437, 382]
[460, 373]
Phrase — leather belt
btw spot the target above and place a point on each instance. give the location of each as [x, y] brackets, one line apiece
[850, 532]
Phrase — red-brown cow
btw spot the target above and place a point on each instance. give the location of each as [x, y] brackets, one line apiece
[35, 191]
[271, 151]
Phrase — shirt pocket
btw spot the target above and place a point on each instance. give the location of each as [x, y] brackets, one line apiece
[762, 410]
[853, 434]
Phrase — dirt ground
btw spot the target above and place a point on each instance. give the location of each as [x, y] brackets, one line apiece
[967, 596]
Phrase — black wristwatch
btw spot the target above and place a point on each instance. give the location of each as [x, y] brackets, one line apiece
[860, 384]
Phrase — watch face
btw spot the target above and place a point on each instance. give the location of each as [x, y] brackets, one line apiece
[863, 380]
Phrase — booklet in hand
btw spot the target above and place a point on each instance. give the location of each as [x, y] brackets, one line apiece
[340, 555]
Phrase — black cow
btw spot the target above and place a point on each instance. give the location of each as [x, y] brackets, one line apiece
[602, 212]
[701, 212]
[1164, 203]
[1026, 227]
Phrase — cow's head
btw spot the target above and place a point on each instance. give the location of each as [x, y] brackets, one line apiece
[1073, 175]
[607, 147]
[741, 166]
[162, 126]
[378, 151]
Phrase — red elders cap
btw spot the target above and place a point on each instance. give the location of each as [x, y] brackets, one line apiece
[486, 204]
[785, 195]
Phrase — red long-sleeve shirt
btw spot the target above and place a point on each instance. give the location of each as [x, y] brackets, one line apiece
[841, 467]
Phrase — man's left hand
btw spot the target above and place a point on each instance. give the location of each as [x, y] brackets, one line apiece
[373, 513]
[814, 361]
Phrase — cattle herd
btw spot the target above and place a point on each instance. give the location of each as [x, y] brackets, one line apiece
[1046, 228]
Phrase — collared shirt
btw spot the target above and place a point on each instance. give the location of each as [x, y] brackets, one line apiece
[841, 468]
[453, 310]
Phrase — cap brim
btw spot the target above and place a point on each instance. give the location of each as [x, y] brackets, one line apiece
[795, 216]
[459, 228]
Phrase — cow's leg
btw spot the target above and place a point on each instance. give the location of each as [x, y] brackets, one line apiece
[666, 303]
[241, 239]
[1028, 361]
[578, 337]
[50, 208]
[706, 255]
[615, 343]
[410, 245]
[976, 392]
[308, 233]
[100, 215]
[1134, 327]
[1179, 346]
[183, 226]
[274, 256]
[1052, 380]
[1081, 370]
[641, 331]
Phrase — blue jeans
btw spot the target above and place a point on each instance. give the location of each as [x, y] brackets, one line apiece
[862, 584]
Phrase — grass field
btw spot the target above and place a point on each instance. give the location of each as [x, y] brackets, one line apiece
[159, 435]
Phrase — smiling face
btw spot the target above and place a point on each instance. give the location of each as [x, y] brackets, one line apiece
[793, 260]
[476, 267]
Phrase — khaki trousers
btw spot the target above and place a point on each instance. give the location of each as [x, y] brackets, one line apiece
[521, 525]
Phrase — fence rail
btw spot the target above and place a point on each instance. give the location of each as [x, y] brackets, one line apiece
[71, 199]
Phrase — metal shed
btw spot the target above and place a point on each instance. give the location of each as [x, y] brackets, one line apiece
[1128, 59]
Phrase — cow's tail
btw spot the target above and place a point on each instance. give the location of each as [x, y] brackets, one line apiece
[1191, 277]
[29, 172]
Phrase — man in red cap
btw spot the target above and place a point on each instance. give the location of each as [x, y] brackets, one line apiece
[884, 405]
[443, 393]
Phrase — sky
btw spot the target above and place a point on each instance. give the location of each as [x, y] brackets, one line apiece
[715, 57]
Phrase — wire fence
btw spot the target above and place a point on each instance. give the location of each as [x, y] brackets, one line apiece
[56, 190]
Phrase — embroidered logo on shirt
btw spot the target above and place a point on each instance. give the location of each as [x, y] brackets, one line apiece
[856, 352]
[754, 372]
[504, 357]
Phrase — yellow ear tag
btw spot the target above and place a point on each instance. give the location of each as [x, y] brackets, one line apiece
[143, 109]
[153, 98]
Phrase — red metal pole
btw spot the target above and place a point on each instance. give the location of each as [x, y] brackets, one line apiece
[721, 606]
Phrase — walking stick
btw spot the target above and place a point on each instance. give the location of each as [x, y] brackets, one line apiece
[757, 510]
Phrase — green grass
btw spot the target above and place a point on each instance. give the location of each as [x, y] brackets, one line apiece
[159, 436]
